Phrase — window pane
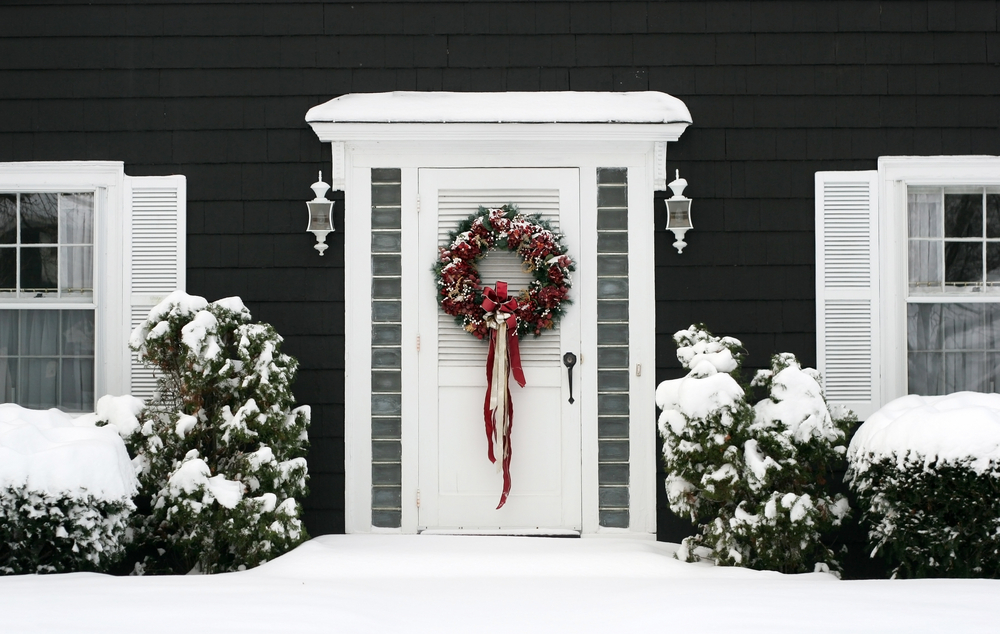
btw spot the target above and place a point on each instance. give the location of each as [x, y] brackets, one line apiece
[78, 332]
[925, 263]
[963, 263]
[39, 269]
[8, 332]
[965, 371]
[924, 213]
[76, 218]
[993, 262]
[992, 371]
[963, 326]
[77, 385]
[963, 215]
[40, 332]
[8, 268]
[39, 383]
[923, 327]
[992, 332]
[77, 270]
[993, 215]
[924, 373]
[8, 218]
[39, 218]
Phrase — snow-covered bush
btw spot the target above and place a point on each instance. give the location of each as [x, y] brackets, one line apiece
[220, 451]
[66, 491]
[926, 470]
[753, 479]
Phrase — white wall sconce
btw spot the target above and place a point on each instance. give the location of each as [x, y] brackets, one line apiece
[320, 214]
[678, 211]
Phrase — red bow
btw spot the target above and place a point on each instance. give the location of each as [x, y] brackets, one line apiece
[502, 307]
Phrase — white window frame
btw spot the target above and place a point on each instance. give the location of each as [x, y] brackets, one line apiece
[106, 179]
[895, 175]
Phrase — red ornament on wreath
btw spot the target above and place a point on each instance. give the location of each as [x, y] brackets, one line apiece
[489, 313]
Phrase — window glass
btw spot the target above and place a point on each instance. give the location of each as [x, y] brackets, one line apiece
[47, 259]
[47, 245]
[954, 240]
[47, 358]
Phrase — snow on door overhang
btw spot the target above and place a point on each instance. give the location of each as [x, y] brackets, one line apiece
[521, 117]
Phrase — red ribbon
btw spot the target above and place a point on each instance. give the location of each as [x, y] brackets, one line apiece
[503, 308]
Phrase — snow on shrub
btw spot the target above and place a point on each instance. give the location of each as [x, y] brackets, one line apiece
[753, 479]
[66, 491]
[926, 470]
[220, 451]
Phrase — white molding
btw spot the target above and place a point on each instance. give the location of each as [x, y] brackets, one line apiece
[660, 166]
[357, 351]
[338, 180]
[584, 146]
[502, 132]
[643, 477]
[895, 173]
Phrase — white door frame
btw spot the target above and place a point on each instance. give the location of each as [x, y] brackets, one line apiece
[642, 158]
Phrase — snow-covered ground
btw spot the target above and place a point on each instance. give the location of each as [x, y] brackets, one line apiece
[389, 583]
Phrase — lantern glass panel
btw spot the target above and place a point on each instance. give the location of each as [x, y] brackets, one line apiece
[678, 214]
[319, 216]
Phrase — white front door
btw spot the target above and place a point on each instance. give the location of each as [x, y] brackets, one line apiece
[459, 487]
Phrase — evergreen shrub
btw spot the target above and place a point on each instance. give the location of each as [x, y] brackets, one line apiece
[220, 450]
[752, 478]
[926, 472]
[43, 532]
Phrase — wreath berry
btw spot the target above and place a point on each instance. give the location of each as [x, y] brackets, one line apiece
[460, 291]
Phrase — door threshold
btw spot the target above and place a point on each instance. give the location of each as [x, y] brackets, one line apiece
[509, 532]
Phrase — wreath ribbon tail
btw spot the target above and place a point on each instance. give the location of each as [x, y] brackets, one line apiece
[506, 452]
[487, 405]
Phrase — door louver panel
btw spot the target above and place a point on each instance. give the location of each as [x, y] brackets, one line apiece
[157, 226]
[457, 347]
[847, 288]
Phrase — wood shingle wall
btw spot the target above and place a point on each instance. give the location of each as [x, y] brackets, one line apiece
[218, 91]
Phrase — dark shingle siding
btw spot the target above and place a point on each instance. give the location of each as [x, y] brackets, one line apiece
[218, 90]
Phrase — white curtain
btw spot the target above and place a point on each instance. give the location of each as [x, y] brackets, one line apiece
[47, 358]
[925, 210]
[76, 228]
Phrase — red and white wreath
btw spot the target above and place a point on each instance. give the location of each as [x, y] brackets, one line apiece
[540, 306]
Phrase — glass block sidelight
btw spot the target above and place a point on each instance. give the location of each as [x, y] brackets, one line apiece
[612, 347]
[386, 352]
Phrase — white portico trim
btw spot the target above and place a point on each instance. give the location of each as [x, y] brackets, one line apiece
[405, 162]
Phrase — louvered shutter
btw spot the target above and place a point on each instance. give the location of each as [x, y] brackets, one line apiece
[847, 289]
[156, 218]
[456, 347]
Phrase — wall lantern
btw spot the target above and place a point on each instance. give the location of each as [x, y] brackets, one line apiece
[678, 211]
[320, 214]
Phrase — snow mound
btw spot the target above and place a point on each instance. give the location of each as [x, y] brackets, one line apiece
[964, 426]
[51, 452]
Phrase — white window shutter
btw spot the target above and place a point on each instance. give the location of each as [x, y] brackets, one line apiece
[156, 228]
[847, 289]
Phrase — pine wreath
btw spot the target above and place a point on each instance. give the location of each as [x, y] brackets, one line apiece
[460, 291]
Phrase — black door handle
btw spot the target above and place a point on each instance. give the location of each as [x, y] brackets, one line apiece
[569, 360]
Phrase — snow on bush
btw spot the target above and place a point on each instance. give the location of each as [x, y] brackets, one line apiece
[926, 470]
[753, 479]
[66, 489]
[220, 451]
